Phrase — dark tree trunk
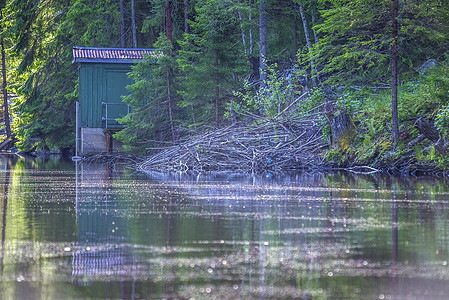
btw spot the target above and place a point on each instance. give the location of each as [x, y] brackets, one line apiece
[186, 16]
[168, 19]
[133, 24]
[4, 90]
[122, 24]
[109, 141]
[168, 28]
[394, 74]
[263, 43]
[427, 128]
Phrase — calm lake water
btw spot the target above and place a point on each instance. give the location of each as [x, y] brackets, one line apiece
[80, 231]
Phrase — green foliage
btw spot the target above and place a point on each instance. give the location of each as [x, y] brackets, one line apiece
[148, 122]
[248, 101]
[426, 96]
[316, 97]
[270, 100]
[210, 61]
[276, 94]
[92, 23]
[349, 102]
[43, 77]
[354, 43]
[442, 121]
[39, 37]
[356, 36]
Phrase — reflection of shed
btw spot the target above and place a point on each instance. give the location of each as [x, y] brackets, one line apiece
[102, 83]
[102, 234]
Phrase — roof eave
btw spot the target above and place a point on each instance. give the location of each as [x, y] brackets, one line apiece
[125, 49]
[112, 61]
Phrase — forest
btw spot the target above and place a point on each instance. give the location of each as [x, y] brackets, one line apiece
[251, 84]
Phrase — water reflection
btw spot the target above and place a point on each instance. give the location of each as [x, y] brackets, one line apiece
[84, 231]
[5, 164]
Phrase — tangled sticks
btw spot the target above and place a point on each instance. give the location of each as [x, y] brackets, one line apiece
[270, 145]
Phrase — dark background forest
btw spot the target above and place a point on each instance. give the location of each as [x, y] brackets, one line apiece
[383, 64]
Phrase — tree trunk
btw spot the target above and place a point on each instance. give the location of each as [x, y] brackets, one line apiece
[217, 90]
[394, 74]
[243, 32]
[343, 129]
[122, 24]
[314, 12]
[168, 29]
[186, 16]
[309, 44]
[170, 108]
[5, 91]
[251, 44]
[314, 21]
[133, 24]
[263, 43]
[168, 19]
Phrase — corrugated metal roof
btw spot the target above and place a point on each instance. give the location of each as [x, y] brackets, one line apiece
[112, 55]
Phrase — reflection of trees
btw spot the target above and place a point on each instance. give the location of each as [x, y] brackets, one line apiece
[4, 209]
[394, 232]
[27, 231]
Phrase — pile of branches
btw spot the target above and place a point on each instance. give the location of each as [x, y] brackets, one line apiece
[270, 145]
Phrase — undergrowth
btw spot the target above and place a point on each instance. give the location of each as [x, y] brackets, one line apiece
[426, 96]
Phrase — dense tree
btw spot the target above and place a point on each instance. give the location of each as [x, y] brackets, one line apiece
[153, 95]
[369, 42]
[149, 123]
[42, 36]
[36, 57]
[211, 60]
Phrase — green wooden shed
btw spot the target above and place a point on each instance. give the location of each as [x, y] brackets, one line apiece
[102, 84]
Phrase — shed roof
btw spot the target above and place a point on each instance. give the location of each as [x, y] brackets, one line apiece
[111, 55]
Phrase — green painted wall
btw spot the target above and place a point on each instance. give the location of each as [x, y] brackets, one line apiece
[102, 82]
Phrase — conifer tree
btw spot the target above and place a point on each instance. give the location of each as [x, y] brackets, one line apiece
[366, 42]
[210, 60]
